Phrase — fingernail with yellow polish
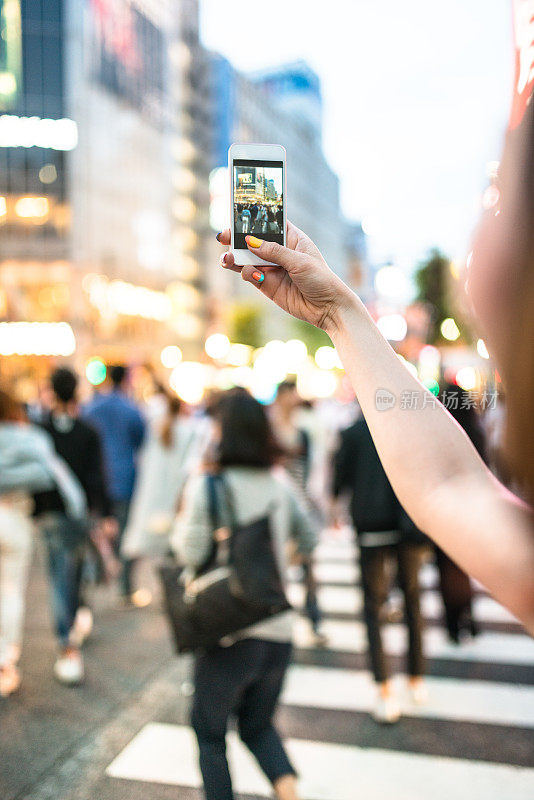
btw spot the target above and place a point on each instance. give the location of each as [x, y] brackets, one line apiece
[259, 277]
[252, 241]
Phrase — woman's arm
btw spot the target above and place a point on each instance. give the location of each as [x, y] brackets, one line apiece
[193, 533]
[436, 472]
[303, 532]
[23, 467]
[30, 476]
[433, 467]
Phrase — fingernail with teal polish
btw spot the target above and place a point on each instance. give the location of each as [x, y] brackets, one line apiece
[218, 236]
[258, 276]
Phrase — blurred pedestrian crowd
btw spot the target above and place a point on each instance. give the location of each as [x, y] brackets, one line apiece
[110, 482]
[258, 218]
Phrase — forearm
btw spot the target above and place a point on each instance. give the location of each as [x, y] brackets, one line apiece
[420, 447]
[31, 476]
[436, 472]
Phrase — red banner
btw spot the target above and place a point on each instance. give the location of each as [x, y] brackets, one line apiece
[524, 59]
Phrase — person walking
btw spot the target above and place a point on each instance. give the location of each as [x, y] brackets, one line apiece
[66, 538]
[254, 211]
[172, 451]
[122, 430]
[383, 534]
[245, 219]
[27, 465]
[454, 582]
[243, 679]
[296, 446]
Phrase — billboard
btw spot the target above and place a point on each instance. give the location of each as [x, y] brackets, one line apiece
[129, 55]
[10, 54]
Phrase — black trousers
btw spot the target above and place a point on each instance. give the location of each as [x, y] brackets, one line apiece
[456, 592]
[243, 680]
[375, 584]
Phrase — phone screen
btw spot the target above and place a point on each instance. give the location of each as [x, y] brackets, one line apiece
[258, 200]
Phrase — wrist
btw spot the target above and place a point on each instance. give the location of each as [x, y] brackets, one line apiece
[342, 310]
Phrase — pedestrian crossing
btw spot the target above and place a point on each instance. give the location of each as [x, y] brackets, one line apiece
[348, 601]
[489, 647]
[167, 754]
[472, 739]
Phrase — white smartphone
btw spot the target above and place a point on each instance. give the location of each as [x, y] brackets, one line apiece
[257, 197]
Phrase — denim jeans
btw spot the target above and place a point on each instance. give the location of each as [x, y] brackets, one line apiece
[243, 680]
[65, 540]
[121, 510]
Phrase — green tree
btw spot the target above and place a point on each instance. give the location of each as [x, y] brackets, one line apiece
[245, 324]
[432, 282]
[311, 336]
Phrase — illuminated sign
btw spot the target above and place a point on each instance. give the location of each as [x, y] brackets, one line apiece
[36, 339]
[10, 53]
[245, 177]
[119, 297]
[53, 134]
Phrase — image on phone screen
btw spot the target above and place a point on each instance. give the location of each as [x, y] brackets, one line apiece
[258, 201]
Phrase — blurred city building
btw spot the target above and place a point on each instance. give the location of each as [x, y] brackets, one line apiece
[113, 117]
[359, 274]
[104, 163]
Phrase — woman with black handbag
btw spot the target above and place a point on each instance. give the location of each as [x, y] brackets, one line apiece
[243, 677]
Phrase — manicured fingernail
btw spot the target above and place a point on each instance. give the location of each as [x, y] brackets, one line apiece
[259, 277]
[218, 237]
[223, 259]
[252, 241]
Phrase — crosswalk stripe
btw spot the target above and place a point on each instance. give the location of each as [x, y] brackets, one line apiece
[167, 754]
[449, 698]
[338, 769]
[349, 600]
[489, 647]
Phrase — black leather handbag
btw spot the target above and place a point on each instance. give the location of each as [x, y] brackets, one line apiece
[240, 585]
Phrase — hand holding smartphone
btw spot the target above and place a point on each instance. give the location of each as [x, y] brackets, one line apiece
[257, 198]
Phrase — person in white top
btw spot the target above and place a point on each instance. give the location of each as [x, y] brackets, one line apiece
[245, 678]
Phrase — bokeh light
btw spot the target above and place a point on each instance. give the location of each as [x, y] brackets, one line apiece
[95, 371]
[190, 380]
[327, 358]
[393, 327]
[217, 346]
[171, 356]
[450, 330]
[482, 350]
[466, 378]
[295, 354]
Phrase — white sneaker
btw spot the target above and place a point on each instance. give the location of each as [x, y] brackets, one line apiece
[69, 669]
[82, 628]
[386, 710]
[418, 693]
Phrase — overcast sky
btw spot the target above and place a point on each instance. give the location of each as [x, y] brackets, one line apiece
[416, 96]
